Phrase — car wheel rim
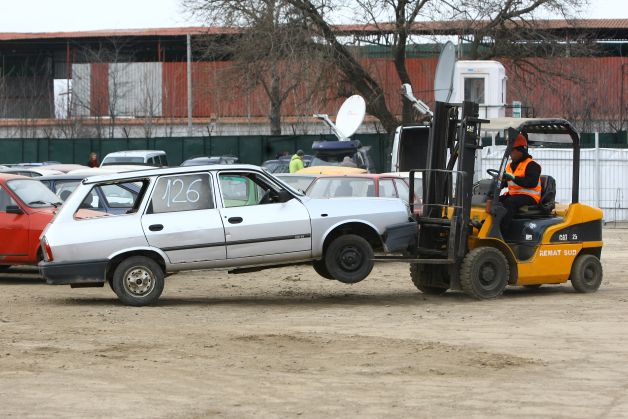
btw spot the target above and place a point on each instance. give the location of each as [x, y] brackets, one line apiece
[139, 281]
[350, 258]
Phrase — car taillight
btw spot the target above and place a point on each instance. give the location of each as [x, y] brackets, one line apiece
[46, 250]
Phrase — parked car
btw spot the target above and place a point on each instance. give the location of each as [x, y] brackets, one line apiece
[65, 168]
[31, 171]
[332, 153]
[26, 207]
[112, 199]
[231, 216]
[298, 181]
[203, 160]
[156, 158]
[282, 164]
[364, 185]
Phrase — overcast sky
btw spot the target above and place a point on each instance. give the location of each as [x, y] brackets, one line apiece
[78, 15]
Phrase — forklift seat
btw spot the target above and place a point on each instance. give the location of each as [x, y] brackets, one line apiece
[547, 204]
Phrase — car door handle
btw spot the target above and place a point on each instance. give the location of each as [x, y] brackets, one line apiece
[156, 227]
[235, 220]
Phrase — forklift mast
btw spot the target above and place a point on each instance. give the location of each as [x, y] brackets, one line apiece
[444, 222]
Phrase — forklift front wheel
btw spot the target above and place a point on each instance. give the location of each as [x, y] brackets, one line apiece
[484, 273]
[586, 273]
[429, 279]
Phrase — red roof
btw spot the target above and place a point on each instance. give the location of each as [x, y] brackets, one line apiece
[442, 27]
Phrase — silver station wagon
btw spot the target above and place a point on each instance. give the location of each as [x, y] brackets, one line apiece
[200, 217]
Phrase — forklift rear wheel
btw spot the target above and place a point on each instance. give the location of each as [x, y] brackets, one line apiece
[425, 276]
[484, 273]
[586, 273]
[349, 258]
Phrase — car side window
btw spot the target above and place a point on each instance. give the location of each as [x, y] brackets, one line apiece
[120, 196]
[187, 192]
[244, 189]
[5, 200]
[387, 189]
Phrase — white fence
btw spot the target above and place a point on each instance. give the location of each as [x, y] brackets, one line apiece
[603, 175]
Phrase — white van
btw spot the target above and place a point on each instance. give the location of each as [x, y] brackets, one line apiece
[156, 158]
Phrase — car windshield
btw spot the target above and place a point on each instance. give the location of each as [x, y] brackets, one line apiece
[342, 187]
[300, 183]
[123, 160]
[33, 193]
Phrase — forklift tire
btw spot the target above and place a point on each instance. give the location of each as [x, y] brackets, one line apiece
[484, 273]
[424, 276]
[321, 269]
[349, 258]
[586, 273]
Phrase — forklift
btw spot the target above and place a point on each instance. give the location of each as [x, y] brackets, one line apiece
[456, 243]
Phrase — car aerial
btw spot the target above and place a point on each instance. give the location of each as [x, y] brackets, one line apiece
[203, 160]
[112, 199]
[26, 207]
[221, 216]
[155, 158]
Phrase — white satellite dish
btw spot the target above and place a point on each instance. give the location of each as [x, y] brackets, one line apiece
[444, 78]
[350, 115]
[349, 118]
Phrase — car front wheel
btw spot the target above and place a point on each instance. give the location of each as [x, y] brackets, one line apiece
[138, 281]
[349, 258]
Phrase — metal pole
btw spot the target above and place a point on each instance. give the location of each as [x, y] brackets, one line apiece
[189, 76]
[597, 169]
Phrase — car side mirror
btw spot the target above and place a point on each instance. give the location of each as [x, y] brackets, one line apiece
[284, 196]
[14, 209]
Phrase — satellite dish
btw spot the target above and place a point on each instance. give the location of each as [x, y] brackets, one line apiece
[350, 116]
[444, 79]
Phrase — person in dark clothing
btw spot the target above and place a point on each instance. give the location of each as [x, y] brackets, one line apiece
[93, 160]
[523, 179]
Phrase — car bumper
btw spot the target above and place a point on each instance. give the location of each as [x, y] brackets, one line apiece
[85, 272]
[401, 237]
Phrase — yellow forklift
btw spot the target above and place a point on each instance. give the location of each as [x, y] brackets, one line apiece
[456, 243]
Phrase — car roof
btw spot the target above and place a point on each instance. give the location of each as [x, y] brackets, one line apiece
[139, 174]
[62, 177]
[136, 153]
[8, 176]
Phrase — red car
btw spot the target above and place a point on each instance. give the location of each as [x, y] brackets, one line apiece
[26, 207]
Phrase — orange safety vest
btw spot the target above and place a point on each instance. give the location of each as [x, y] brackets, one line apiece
[514, 189]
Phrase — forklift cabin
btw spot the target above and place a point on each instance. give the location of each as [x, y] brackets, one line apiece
[457, 243]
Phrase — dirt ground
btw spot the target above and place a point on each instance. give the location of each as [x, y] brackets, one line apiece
[287, 343]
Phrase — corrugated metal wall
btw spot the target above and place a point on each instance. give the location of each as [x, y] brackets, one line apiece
[590, 87]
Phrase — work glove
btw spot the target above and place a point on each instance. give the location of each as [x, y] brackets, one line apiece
[508, 177]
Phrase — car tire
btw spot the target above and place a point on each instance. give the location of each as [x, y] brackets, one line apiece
[4, 268]
[484, 273]
[321, 269]
[586, 274]
[138, 281]
[349, 258]
[424, 277]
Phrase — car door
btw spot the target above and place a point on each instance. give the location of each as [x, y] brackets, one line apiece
[182, 220]
[259, 227]
[13, 230]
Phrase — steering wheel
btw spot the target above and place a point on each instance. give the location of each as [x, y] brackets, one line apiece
[494, 173]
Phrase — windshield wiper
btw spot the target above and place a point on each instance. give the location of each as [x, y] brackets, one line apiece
[54, 204]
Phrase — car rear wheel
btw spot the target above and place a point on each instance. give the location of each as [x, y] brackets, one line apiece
[586, 273]
[138, 281]
[349, 258]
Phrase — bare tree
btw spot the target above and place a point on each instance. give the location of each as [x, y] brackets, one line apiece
[271, 49]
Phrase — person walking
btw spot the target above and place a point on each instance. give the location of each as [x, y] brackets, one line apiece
[296, 162]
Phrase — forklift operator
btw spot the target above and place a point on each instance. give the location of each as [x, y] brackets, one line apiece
[522, 177]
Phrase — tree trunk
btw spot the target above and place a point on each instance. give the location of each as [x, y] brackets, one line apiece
[275, 102]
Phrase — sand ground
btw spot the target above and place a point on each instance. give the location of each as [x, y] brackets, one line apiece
[288, 343]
